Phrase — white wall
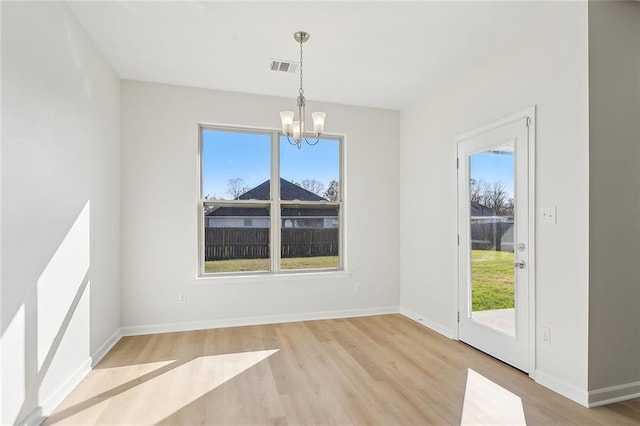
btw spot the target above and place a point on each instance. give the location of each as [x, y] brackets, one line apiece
[60, 206]
[614, 210]
[160, 250]
[547, 67]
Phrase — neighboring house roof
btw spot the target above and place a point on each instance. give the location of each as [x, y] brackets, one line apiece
[478, 209]
[288, 191]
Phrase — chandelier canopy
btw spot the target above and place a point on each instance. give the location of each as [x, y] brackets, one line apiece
[295, 129]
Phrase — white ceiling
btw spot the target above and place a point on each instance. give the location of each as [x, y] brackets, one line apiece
[377, 54]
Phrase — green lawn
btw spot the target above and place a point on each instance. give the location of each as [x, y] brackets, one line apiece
[492, 278]
[254, 265]
[491, 274]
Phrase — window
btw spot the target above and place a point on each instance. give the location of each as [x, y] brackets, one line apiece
[267, 206]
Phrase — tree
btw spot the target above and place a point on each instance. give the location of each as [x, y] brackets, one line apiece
[236, 187]
[509, 208]
[477, 189]
[496, 197]
[493, 195]
[333, 191]
[313, 185]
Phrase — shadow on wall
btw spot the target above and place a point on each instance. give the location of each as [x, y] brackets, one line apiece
[47, 340]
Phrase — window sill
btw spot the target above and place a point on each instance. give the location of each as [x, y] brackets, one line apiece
[275, 277]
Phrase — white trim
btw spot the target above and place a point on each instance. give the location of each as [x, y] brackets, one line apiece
[74, 379]
[106, 347]
[235, 203]
[276, 224]
[430, 324]
[200, 207]
[531, 113]
[38, 415]
[342, 212]
[498, 123]
[261, 320]
[565, 389]
[274, 203]
[611, 394]
[34, 418]
[266, 277]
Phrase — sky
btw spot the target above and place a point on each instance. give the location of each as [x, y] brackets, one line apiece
[229, 155]
[491, 168]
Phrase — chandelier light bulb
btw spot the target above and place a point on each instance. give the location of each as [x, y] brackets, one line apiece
[318, 122]
[287, 121]
[296, 130]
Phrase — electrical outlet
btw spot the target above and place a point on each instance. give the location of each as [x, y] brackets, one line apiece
[182, 298]
[546, 335]
[357, 288]
[549, 215]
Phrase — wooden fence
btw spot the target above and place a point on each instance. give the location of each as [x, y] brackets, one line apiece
[253, 243]
[492, 236]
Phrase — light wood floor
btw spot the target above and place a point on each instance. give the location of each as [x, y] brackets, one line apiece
[372, 370]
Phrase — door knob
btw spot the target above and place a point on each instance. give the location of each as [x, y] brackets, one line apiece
[519, 264]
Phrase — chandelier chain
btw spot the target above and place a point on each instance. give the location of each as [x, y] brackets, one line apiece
[301, 88]
[293, 128]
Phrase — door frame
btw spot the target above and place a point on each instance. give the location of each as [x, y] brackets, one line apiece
[531, 180]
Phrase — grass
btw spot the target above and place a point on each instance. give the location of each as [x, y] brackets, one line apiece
[491, 274]
[492, 280]
[256, 265]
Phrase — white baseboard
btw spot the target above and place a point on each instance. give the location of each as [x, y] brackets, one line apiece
[613, 394]
[40, 414]
[433, 325]
[260, 320]
[565, 389]
[74, 379]
[106, 347]
[568, 390]
[35, 418]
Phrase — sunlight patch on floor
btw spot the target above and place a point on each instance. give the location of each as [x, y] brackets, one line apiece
[106, 382]
[487, 403]
[147, 398]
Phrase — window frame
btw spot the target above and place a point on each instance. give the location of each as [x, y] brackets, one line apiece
[274, 204]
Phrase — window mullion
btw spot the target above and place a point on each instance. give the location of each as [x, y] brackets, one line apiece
[341, 213]
[276, 220]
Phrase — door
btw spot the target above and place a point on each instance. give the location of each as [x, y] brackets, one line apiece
[494, 244]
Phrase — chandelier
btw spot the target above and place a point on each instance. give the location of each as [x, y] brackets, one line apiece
[295, 129]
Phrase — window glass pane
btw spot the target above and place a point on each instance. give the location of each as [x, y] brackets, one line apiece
[310, 237]
[492, 226]
[311, 173]
[236, 239]
[235, 165]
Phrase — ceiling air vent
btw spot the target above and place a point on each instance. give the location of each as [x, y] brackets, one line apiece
[283, 66]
